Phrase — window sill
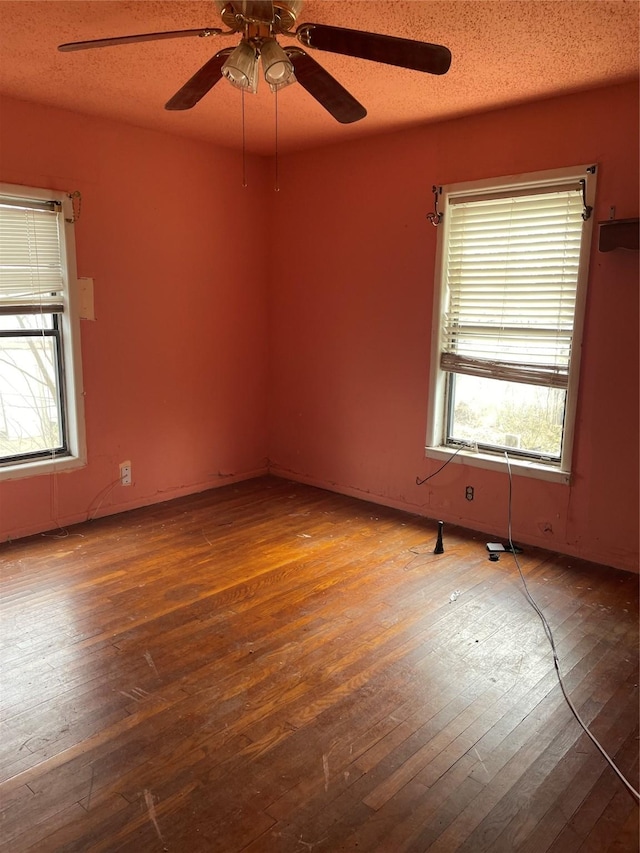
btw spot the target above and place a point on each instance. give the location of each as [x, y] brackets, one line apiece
[43, 466]
[492, 462]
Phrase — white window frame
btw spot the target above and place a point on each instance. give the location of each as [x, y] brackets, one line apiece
[73, 395]
[436, 446]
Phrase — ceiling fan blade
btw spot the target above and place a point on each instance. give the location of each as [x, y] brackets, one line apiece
[325, 88]
[406, 53]
[202, 82]
[203, 32]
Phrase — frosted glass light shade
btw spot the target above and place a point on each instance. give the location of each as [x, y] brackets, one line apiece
[277, 67]
[241, 68]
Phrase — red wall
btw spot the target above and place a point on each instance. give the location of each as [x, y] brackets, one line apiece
[201, 364]
[175, 362]
[351, 321]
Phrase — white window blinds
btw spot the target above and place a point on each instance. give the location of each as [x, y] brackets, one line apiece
[511, 276]
[31, 265]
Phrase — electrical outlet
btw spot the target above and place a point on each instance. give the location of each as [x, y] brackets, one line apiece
[468, 493]
[125, 473]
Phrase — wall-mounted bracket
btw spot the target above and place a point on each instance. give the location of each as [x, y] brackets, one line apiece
[435, 218]
[587, 210]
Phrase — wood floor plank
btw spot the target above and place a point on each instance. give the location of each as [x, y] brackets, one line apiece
[269, 668]
[531, 798]
[627, 837]
[481, 822]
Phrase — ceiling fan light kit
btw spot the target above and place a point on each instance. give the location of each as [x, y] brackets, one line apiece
[259, 22]
[277, 67]
[241, 68]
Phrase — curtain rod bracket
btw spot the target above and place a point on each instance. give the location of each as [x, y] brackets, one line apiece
[587, 210]
[75, 196]
[435, 218]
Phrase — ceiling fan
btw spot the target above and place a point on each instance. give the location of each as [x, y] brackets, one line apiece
[259, 22]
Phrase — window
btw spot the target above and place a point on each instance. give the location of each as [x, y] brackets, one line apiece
[41, 418]
[512, 273]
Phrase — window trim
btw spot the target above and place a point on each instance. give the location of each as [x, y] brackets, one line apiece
[436, 447]
[70, 363]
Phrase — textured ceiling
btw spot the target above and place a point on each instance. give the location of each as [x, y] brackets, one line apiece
[504, 52]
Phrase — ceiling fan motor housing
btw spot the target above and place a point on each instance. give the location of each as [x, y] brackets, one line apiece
[281, 15]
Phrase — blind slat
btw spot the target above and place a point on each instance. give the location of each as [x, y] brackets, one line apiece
[26, 308]
[530, 374]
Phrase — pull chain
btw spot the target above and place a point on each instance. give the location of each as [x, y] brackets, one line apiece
[244, 153]
[277, 186]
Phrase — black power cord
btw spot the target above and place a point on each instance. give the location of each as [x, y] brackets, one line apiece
[420, 482]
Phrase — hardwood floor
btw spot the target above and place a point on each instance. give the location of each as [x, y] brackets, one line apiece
[272, 667]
